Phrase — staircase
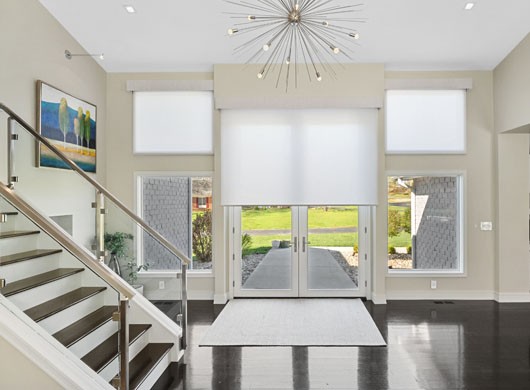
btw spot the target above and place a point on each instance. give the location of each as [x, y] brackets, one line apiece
[71, 303]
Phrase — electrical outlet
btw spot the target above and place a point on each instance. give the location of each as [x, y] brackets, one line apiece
[433, 284]
[161, 285]
[486, 226]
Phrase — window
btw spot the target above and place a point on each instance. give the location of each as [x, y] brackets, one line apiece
[173, 122]
[178, 207]
[426, 121]
[425, 223]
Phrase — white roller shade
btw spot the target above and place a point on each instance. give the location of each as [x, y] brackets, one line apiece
[173, 122]
[299, 157]
[426, 121]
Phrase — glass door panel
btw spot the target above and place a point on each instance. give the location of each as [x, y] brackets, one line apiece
[267, 250]
[329, 255]
[300, 251]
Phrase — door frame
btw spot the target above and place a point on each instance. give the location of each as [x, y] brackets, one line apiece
[299, 267]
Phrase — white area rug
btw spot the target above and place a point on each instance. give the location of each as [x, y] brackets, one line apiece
[294, 322]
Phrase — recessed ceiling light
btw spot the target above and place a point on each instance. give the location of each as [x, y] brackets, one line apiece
[468, 6]
[129, 8]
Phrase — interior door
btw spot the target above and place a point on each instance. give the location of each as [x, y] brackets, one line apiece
[299, 251]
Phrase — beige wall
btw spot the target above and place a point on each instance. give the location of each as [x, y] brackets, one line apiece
[512, 89]
[18, 372]
[512, 97]
[122, 165]
[478, 166]
[33, 44]
[364, 83]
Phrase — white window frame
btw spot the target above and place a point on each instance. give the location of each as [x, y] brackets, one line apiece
[461, 271]
[138, 191]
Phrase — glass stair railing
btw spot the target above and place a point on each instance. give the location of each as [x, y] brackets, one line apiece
[85, 221]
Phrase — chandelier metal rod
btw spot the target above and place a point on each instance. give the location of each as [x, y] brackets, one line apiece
[288, 33]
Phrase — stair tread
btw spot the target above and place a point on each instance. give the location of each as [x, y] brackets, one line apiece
[171, 378]
[143, 363]
[18, 233]
[104, 353]
[23, 256]
[55, 305]
[38, 280]
[79, 329]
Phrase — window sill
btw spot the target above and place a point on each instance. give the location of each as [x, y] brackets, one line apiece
[425, 274]
[174, 274]
[200, 274]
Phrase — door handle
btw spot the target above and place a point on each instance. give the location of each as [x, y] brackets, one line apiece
[295, 244]
[304, 244]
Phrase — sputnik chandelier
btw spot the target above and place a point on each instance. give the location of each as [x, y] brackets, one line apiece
[287, 37]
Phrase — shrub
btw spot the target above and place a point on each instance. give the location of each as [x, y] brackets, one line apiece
[391, 250]
[202, 237]
[355, 249]
[246, 242]
[409, 250]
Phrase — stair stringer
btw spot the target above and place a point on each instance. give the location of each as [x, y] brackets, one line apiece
[163, 329]
[56, 361]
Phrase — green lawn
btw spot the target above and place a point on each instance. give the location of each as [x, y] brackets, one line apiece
[402, 240]
[262, 244]
[280, 218]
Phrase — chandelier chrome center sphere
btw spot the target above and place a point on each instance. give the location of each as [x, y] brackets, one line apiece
[287, 37]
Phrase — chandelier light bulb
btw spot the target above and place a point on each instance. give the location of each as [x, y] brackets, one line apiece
[289, 39]
[101, 57]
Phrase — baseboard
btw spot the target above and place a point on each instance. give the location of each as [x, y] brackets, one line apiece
[512, 297]
[443, 295]
[220, 299]
[378, 299]
[200, 295]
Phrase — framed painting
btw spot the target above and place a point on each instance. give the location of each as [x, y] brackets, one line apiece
[70, 124]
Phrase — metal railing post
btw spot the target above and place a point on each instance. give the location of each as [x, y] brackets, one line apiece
[99, 205]
[121, 381]
[12, 136]
[184, 324]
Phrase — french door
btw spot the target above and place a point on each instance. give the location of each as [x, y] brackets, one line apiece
[300, 251]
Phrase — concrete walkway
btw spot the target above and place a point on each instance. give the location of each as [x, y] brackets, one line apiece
[274, 272]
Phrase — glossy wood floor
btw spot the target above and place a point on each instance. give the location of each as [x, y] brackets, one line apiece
[444, 346]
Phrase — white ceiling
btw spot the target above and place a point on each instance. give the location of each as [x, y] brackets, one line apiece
[177, 35]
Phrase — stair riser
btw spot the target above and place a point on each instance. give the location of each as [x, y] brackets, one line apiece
[25, 269]
[9, 224]
[12, 245]
[112, 369]
[89, 342]
[156, 373]
[44, 293]
[66, 317]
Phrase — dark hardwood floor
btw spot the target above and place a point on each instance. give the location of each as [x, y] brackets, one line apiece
[473, 345]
